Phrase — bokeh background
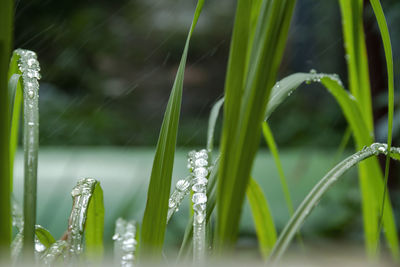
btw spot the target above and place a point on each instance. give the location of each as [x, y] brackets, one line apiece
[107, 71]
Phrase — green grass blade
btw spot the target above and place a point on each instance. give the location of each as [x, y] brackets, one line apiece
[211, 123]
[155, 215]
[6, 22]
[356, 56]
[383, 28]
[263, 221]
[318, 191]
[244, 110]
[44, 236]
[269, 139]
[94, 227]
[371, 178]
[370, 174]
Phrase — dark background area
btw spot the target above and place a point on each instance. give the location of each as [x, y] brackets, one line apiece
[108, 68]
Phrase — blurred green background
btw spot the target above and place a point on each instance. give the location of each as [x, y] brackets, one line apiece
[108, 67]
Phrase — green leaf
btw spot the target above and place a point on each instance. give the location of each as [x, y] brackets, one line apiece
[318, 191]
[6, 29]
[246, 97]
[44, 236]
[15, 90]
[356, 55]
[383, 28]
[371, 179]
[155, 215]
[269, 139]
[263, 221]
[94, 227]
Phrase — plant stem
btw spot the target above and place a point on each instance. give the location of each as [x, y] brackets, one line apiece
[29, 67]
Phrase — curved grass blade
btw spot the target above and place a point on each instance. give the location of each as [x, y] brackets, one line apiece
[82, 195]
[383, 28]
[6, 29]
[370, 174]
[211, 123]
[263, 221]
[318, 191]
[94, 227]
[269, 139]
[155, 215]
[244, 109]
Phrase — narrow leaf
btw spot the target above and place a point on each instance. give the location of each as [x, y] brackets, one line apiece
[263, 221]
[269, 139]
[94, 227]
[155, 215]
[244, 111]
[6, 22]
[318, 191]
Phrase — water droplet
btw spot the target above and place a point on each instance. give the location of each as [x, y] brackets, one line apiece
[182, 185]
[201, 162]
[31, 94]
[198, 188]
[200, 172]
[171, 203]
[199, 198]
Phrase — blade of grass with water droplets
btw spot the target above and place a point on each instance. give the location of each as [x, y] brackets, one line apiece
[155, 215]
[6, 22]
[318, 191]
[370, 174]
[29, 67]
[263, 221]
[383, 28]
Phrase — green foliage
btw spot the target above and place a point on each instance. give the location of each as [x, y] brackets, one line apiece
[370, 173]
[263, 221]
[246, 98]
[269, 139]
[315, 195]
[6, 22]
[94, 227]
[155, 215]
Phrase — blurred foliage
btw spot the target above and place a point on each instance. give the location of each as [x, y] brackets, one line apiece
[108, 67]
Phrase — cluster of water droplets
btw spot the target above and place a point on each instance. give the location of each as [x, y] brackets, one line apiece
[55, 251]
[81, 195]
[198, 164]
[182, 188]
[317, 77]
[125, 242]
[17, 243]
